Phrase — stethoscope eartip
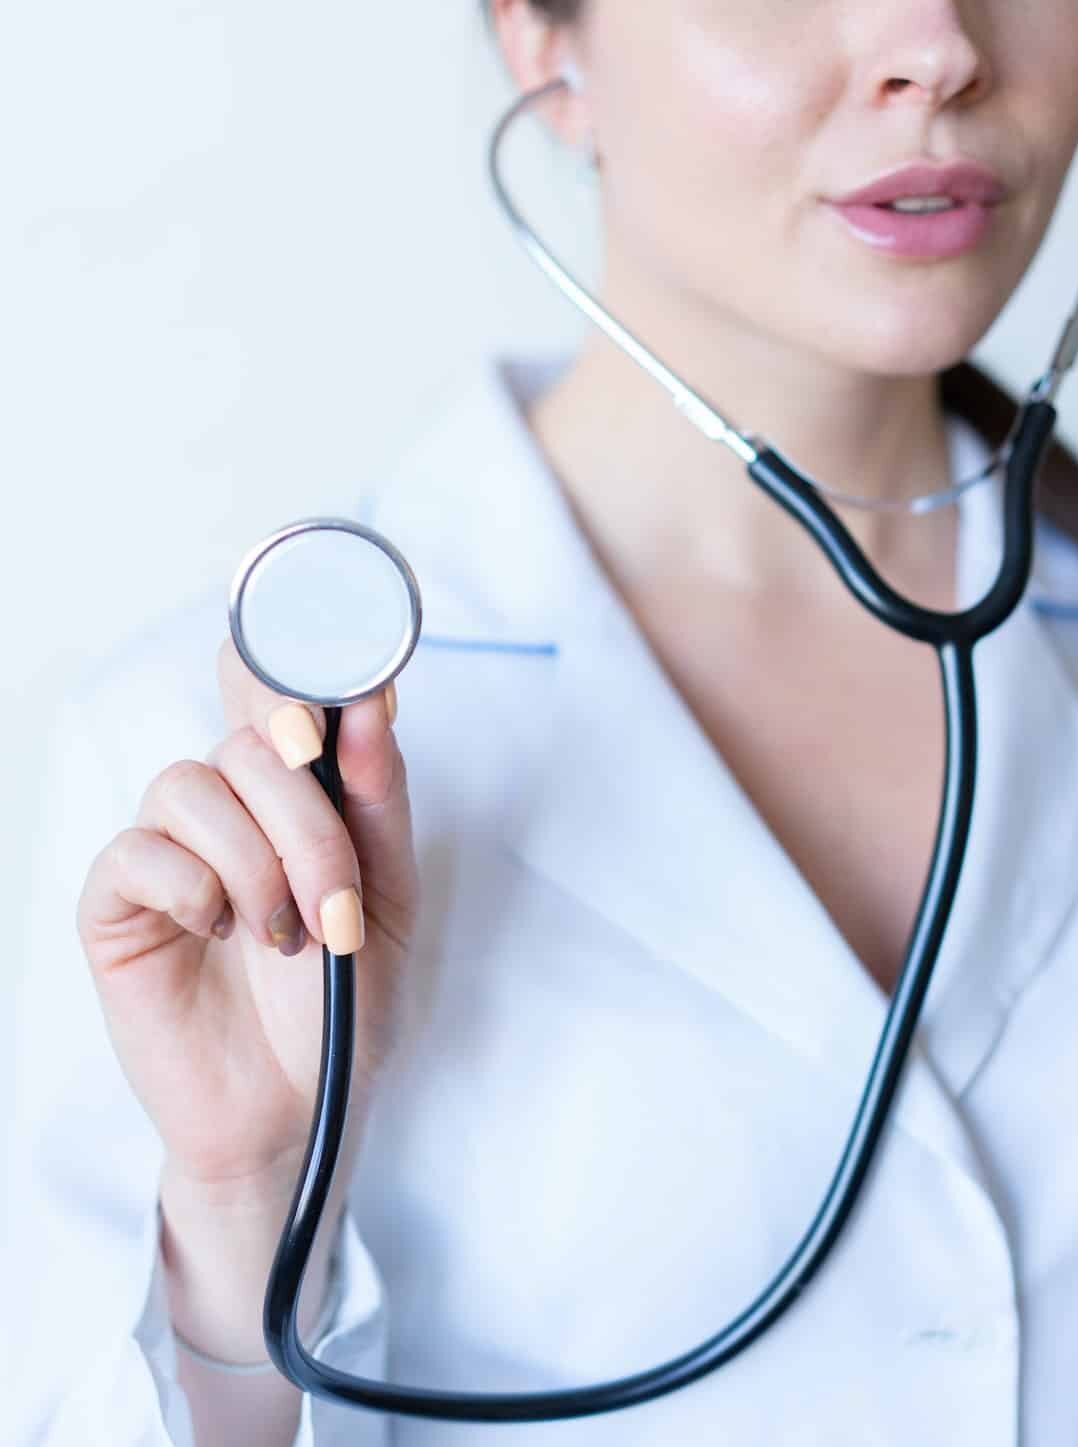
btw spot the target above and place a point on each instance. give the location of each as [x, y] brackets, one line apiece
[570, 74]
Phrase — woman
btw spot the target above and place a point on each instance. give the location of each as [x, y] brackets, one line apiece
[629, 922]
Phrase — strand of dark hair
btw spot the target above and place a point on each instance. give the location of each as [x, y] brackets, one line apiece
[973, 394]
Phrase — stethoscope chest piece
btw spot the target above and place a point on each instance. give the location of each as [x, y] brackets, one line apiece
[326, 610]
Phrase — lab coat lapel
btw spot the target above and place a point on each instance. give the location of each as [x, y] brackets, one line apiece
[639, 817]
[1020, 878]
[631, 811]
[621, 800]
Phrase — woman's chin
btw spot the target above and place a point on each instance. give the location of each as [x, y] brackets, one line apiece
[905, 349]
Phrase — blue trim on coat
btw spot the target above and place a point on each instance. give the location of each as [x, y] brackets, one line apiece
[1051, 609]
[485, 645]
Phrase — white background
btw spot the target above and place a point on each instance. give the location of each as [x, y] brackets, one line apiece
[246, 246]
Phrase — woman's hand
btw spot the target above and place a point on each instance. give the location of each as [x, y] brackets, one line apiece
[220, 1038]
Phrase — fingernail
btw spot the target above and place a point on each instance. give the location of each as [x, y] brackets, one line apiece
[295, 734]
[391, 703]
[286, 927]
[342, 921]
[225, 922]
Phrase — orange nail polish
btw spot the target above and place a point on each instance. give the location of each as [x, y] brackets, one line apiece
[341, 915]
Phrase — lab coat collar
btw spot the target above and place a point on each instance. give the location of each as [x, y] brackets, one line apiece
[633, 813]
[1018, 883]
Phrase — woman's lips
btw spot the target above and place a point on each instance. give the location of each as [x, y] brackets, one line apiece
[928, 234]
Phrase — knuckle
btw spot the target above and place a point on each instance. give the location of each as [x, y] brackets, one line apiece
[377, 781]
[328, 852]
[172, 783]
[203, 900]
[243, 747]
[85, 926]
[263, 876]
[125, 848]
[105, 863]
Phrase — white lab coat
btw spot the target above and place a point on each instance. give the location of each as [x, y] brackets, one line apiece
[633, 1039]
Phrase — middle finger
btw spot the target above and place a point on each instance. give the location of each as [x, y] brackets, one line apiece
[308, 834]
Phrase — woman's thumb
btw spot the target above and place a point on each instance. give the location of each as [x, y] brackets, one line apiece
[377, 814]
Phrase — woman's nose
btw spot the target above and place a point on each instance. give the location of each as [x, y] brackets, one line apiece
[924, 54]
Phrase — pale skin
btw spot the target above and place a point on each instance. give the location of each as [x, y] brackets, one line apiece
[221, 1039]
[720, 124]
[721, 128]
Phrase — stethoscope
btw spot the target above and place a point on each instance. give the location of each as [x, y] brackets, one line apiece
[329, 611]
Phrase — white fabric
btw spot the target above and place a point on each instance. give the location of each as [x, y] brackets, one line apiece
[633, 1038]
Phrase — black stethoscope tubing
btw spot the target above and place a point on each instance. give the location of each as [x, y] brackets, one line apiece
[953, 636]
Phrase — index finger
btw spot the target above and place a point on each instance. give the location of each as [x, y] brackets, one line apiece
[295, 728]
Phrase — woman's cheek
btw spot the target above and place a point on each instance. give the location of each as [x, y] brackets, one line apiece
[755, 111]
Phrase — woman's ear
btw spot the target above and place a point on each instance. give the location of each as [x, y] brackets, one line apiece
[537, 50]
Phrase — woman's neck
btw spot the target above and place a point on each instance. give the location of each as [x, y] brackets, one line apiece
[658, 500]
